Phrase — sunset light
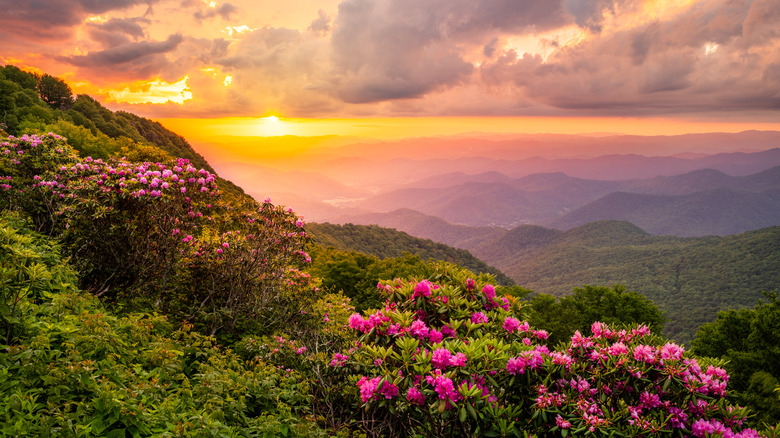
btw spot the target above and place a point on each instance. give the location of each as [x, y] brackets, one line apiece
[390, 218]
[156, 91]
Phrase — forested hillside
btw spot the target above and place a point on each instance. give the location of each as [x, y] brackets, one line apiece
[385, 242]
[689, 278]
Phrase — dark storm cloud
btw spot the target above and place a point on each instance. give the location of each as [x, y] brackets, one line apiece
[225, 11]
[395, 49]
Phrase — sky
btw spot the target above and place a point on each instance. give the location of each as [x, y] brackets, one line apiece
[639, 66]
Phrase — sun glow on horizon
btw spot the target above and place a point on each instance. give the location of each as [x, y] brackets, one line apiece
[389, 128]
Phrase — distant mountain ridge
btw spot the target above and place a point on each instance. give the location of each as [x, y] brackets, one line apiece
[721, 211]
[697, 203]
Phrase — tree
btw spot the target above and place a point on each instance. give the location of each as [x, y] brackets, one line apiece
[589, 304]
[749, 340]
[22, 78]
[55, 92]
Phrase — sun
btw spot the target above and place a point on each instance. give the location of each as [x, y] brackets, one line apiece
[274, 126]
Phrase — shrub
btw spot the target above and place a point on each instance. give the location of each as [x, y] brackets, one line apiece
[76, 370]
[450, 358]
[159, 235]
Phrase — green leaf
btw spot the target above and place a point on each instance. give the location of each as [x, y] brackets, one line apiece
[116, 433]
[472, 412]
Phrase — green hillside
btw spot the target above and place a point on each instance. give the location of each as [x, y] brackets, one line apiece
[92, 129]
[691, 279]
[386, 242]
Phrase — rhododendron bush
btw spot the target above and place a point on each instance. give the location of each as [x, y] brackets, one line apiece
[159, 234]
[452, 358]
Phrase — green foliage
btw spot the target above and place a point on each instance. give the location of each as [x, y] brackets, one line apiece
[31, 269]
[384, 242]
[586, 305]
[24, 79]
[154, 133]
[77, 371]
[690, 279]
[356, 275]
[103, 119]
[154, 235]
[445, 359]
[88, 144]
[55, 92]
[749, 340]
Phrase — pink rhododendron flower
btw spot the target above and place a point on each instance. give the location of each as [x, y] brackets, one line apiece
[577, 340]
[339, 360]
[435, 336]
[441, 358]
[644, 353]
[479, 318]
[443, 386]
[459, 360]
[511, 324]
[356, 322]
[388, 390]
[418, 329]
[617, 349]
[563, 424]
[422, 289]
[368, 388]
[415, 396]
[671, 351]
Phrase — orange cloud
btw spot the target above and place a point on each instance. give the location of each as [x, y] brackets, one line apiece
[156, 91]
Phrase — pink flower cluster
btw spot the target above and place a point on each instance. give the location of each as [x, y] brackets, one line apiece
[527, 359]
[710, 428]
[365, 325]
[443, 358]
[490, 299]
[370, 389]
[422, 289]
[443, 386]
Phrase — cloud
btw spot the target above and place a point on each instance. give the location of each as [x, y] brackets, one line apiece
[132, 60]
[321, 25]
[399, 49]
[225, 11]
[590, 13]
[39, 16]
[659, 67]
[490, 48]
[116, 31]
